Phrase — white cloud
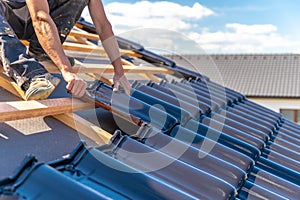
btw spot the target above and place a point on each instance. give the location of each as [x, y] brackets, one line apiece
[252, 29]
[161, 22]
[242, 38]
[162, 14]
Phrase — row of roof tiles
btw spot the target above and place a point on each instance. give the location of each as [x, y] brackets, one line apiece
[199, 140]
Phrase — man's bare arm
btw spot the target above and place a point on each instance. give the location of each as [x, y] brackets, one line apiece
[104, 29]
[48, 37]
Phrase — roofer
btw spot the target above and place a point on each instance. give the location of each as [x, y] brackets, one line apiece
[46, 24]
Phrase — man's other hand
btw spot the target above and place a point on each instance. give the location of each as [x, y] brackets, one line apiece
[121, 84]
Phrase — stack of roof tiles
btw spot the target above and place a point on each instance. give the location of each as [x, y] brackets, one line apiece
[199, 140]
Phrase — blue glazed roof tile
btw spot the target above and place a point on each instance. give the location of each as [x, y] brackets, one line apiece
[190, 155]
[219, 150]
[176, 173]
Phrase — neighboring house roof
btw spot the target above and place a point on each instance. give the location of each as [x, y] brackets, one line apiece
[255, 75]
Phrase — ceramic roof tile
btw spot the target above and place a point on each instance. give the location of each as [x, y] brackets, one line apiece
[251, 74]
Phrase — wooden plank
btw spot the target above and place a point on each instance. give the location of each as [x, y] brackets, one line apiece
[105, 68]
[95, 49]
[126, 62]
[85, 127]
[15, 110]
[91, 36]
[77, 39]
[80, 40]
[84, 34]
[94, 56]
[25, 42]
[10, 86]
[151, 77]
[101, 78]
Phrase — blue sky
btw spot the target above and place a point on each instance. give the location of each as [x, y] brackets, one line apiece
[215, 26]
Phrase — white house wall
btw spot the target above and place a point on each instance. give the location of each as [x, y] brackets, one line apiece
[278, 103]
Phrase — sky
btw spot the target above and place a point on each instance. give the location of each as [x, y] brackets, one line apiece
[209, 26]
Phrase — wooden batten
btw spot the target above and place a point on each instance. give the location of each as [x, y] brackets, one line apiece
[94, 49]
[15, 110]
[85, 127]
[84, 34]
[107, 69]
[7, 84]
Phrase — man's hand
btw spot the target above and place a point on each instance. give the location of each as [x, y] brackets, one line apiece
[121, 83]
[76, 86]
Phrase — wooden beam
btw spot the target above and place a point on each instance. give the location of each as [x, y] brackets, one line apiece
[77, 39]
[15, 110]
[84, 34]
[151, 77]
[126, 62]
[94, 49]
[105, 68]
[101, 78]
[85, 127]
[7, 84]
[25, 42]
